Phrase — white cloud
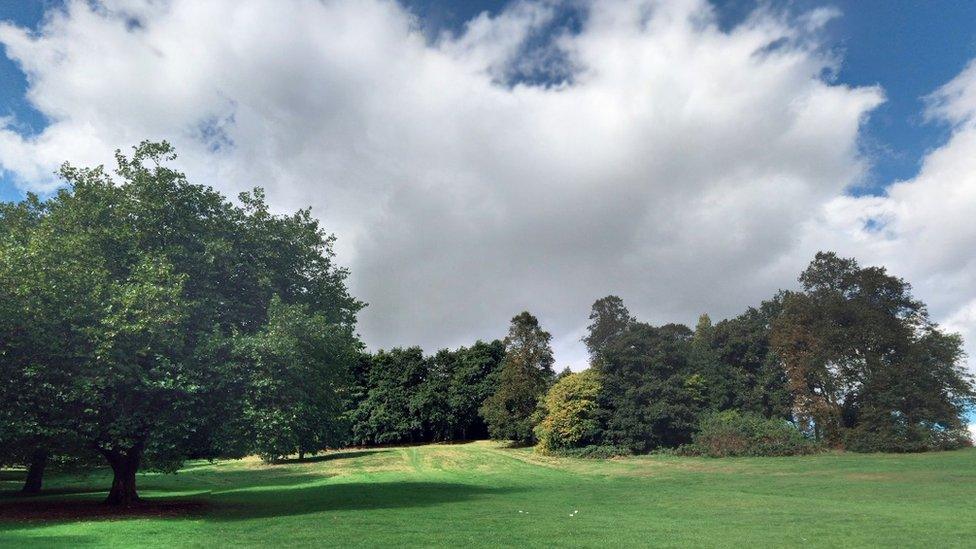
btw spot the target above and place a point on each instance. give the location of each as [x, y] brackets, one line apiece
[922, 229]
[682, 167]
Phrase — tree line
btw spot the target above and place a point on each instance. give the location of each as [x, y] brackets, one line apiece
[147, 320]
[852, 360]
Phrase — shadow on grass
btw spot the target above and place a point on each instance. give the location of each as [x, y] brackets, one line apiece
[12, 481]
[10, 539]
[363, 496]
[247, 504]
[69, 510]
[329, 457]
[239, 494]
[164, 494]
[18, 495]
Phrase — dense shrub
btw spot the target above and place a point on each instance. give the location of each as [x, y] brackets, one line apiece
[593, 451]
[569, 412]
[904, 438]
[731, 433]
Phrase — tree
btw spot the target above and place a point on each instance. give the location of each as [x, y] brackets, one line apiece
[17, 445]
[38, 342]
[524, 377]
[650, 396]
[299, 366]
[430, 402]
[609, 319]
[388, 414]
[474, 379]
[403, 396]
[861, 354]
[569, 412]
[741, 372]
[142, 282]
[704, 361]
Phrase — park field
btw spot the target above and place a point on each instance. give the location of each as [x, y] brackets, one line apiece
[485, 494]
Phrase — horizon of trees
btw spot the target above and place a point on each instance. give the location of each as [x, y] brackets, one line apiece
[146, 320]
[852, 360]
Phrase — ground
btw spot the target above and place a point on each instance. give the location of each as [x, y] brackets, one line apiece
[484, 494]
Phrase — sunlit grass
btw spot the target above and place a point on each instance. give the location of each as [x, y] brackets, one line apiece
[483, 494]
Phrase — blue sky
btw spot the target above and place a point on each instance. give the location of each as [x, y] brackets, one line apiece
[908, 47]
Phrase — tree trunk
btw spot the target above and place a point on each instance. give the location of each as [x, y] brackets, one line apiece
[124, 468]
[35, 472]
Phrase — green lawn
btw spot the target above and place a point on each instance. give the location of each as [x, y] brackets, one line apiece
[484, 494]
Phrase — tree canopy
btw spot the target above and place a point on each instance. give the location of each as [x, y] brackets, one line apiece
[861, 355]
[526, 372]
[133, 285]
[570, 413]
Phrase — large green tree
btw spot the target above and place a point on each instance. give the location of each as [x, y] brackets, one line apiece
[862, 356]
[299, 367]
[650, 395]
[143, 279]
[22, 441]
[525, 374]
[42, 306]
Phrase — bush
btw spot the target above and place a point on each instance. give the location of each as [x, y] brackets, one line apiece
[593, 451]
[731, 433]
[904, 438]
[568, 413]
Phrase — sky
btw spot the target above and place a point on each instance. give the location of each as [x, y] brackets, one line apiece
[477, 159]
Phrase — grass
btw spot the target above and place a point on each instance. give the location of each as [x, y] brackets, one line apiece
[483, 494]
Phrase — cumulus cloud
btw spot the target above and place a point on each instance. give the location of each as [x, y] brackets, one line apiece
[685, 167]
[923, 229]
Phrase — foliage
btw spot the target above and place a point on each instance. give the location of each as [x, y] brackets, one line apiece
[592, 451]
[299, 366]
[389, 412]
[402, 396]
[609, 319]
[525, 375]
[861, 353]
[132, 288]
[28, 394]
[738, 366]
[569, 413]
[473, 380]
[650, 396]
[731, 433]
[905, 438]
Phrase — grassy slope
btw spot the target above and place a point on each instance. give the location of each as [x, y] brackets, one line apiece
[471, 495]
